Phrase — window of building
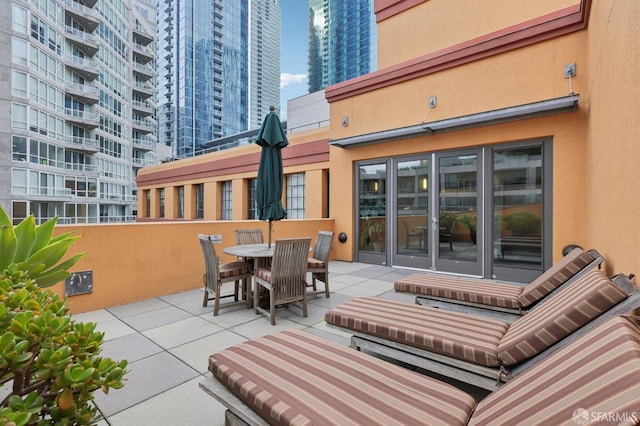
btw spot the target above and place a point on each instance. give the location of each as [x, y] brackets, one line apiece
[295, 196]
[19, 211]
[253, 208]
[180, 198]
[226, 201]
[147, 203]
[199, 201]
[19, 148]
[161, 200]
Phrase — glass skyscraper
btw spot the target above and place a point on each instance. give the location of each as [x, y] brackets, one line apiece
[79, 110]
[218, 69]
[342, 41]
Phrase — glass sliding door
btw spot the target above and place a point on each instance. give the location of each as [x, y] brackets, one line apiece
[458, 218]
[372, 213]
[518, 211]
[412, 213]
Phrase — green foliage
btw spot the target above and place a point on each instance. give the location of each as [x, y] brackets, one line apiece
[448, 219]
[50, 363]
[523, 224]
[469, 220]
[32, 249]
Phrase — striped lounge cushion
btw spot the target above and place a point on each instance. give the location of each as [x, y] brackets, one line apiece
[296, 378]
[491, 293]
[484, 292]
[595, 379]
[559, 316]
[565, 269]
[467, 337]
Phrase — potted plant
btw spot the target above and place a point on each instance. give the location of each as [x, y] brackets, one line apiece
[49, 363]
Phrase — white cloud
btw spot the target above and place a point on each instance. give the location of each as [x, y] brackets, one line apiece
[287, 79]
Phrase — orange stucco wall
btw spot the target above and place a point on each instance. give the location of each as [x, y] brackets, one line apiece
[612, 71]
[133, 262]
[439, 24]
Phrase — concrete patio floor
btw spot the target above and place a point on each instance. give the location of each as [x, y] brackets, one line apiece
[167, 341]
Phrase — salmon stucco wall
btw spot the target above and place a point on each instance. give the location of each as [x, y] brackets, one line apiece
[613, 133]
[138, 261]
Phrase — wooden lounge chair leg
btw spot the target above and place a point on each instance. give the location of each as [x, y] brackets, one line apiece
[236, 285]
[256, 299]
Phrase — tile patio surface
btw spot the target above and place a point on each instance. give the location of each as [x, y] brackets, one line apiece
[167, 341]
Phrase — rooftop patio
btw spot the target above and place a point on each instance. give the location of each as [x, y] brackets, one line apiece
[167, 341]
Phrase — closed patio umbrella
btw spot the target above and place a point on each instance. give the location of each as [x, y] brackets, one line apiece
[272, 139]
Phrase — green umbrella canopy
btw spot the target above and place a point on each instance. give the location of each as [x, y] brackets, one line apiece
[272, 139]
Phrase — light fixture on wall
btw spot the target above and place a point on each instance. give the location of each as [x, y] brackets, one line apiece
[375, 186]
[424, 183]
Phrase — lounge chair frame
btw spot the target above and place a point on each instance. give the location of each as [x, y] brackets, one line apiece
[478, 375]
[622, 402]
[498, 312]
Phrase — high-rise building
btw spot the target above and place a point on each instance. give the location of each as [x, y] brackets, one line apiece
[342, 41]
[78, 107]
[219, 69]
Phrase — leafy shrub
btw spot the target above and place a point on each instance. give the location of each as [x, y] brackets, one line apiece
[50, 363]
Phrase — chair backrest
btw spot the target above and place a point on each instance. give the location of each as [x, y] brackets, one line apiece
[559, 316]
[210, 261]
[595, 379]
[323, 246]
[562, 271]
[249, 236]
[289, 266]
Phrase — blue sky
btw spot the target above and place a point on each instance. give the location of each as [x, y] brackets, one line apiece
[293, 51]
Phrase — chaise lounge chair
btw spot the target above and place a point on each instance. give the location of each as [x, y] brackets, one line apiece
[294, 377]
[494, 299]
[481, 350]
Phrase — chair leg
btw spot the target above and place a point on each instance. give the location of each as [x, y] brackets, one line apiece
[206, 292]
[236, 285]
[304, 307]
[272, 308]
[326, 284]
[256, 298]
[216, 304]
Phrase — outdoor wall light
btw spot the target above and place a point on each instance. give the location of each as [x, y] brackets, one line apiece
[342, 237]
[425, 183]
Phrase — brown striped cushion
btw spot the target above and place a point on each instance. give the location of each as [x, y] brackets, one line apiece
[497, 294]
[465, 289]
[234, 268]
[598, 375]
[313, 263]
[559, 316]
[294, 377]
[565, 269]
[462, 336]
[264, 273]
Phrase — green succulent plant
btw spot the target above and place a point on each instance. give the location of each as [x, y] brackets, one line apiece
[50, 364]
[32, 249]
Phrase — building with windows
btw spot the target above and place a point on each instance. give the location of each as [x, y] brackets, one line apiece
[218, 69]
[484, 151]
[79, 108]
[342, 41]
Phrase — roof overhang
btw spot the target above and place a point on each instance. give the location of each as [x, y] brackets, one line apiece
[486, 118]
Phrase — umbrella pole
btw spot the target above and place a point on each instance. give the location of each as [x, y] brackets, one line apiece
[270, 225]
